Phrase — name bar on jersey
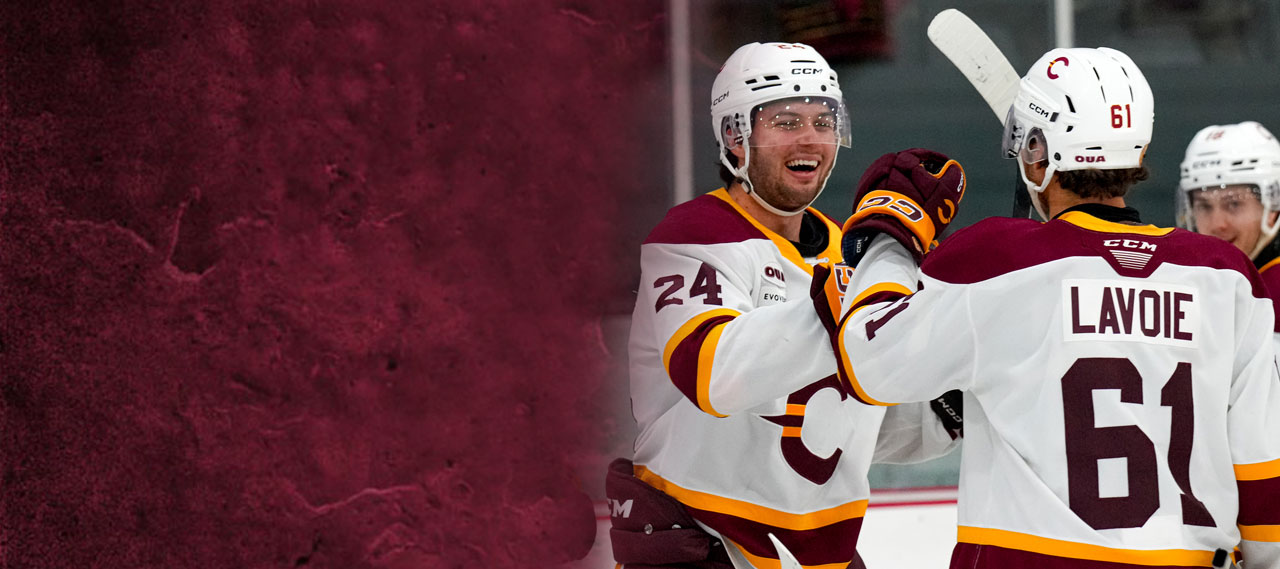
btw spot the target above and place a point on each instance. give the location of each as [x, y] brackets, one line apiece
[1117, 310]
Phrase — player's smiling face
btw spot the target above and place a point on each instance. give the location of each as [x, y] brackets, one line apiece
[793, 146]
[1233, 213]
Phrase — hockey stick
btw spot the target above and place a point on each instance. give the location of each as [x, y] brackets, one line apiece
[785, 558]
[986, 68]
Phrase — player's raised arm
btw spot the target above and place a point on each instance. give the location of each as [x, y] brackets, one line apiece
[903, 202]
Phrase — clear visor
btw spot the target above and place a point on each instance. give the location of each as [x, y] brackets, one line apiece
[800, 120]
[1238, 205]
[1017, 142]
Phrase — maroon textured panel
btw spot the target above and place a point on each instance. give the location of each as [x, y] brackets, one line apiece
[999, 245]
[704, 220]
[970, 556]
[1259, 502]
[312, 283]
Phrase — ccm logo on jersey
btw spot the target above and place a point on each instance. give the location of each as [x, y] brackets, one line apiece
[620, 509]
[1130, 244]
[1130, 311]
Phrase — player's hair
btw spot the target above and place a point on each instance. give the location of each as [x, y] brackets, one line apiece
[1102, 184]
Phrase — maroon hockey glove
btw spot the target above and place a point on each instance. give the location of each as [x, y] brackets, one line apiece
[911, 196]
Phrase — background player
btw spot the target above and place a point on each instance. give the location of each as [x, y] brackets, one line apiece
[1119, 383]
[1230, 188]
[733, 378]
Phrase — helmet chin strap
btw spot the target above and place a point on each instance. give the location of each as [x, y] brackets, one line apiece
[1034, 190]
[741, 173]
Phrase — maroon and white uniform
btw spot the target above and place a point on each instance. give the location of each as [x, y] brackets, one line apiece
[734, 389]
[1122, 403]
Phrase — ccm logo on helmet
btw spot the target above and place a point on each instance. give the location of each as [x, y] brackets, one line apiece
[1037, 110]
[720, 98]
[1091, 159]
[806, 71]
[1205, 163]
[1050, 72]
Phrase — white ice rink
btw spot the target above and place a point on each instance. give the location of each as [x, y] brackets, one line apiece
[910, 528]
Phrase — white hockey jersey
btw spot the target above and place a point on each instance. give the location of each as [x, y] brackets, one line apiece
[1122, 403]
[733, 385]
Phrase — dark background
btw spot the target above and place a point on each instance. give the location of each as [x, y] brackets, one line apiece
[313, 283]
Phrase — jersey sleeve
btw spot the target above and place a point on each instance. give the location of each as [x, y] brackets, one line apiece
[1253, 423]
[721, 352]
[911, 433]
[895, 344]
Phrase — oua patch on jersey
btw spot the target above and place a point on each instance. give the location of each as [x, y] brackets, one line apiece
[1125, 310]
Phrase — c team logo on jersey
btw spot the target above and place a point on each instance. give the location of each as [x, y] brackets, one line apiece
[1130, 311]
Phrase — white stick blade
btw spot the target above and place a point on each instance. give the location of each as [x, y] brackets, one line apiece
[977, 57]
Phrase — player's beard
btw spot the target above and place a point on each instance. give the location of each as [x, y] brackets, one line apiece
[770, 178]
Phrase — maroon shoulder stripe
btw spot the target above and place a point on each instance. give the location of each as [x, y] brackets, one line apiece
[999, 245]
[1259, 502]
[876, 298]
[973, 556]
[829, 544]
[704, 220]
[684, 359]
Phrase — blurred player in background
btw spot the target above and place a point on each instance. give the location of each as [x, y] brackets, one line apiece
[1120, 385]
[745, 431]
[1230, 189]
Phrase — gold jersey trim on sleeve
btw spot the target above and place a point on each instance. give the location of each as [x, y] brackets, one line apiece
[750, 511]
[687, 328]
[1260, 533]
[1257, 470]
[1074, 550]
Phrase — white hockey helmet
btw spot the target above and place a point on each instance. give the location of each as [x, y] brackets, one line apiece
[1079, 108]
[1228, 155]
[760, 73]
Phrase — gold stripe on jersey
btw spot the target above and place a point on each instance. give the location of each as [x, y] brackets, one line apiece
[768, 563]
[1073, 550]
[1272, 263]
[794, 409]
[879, 288]
[844, 353]
[1260, 533]
[687, 328]
[1087, 221]
[1257, 470]
[706, 356]
[753, 512]
[788, 250]
[791, 431]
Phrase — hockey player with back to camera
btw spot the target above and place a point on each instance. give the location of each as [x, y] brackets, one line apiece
[1230, 189]
[744, 429]
[1119, 383]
